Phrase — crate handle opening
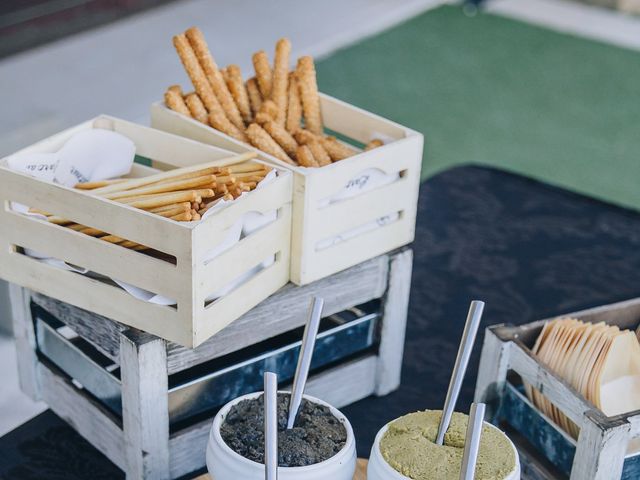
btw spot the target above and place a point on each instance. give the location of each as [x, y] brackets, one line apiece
[354, 232]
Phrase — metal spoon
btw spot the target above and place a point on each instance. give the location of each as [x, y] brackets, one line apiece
[460, 368]
[304, 359]
[270, 426]
[472, 441]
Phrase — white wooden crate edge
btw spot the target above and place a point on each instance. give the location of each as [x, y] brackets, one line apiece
[312, 224]
[189, 281]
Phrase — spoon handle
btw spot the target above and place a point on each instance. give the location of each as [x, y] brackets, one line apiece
[472, 441]
[460, 368]
[304, 359]
[270, 426]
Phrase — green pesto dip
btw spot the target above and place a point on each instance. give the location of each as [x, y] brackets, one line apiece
[409, 447]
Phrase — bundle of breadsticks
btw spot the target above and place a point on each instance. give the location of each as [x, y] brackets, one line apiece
[276, 111]
[183, 194]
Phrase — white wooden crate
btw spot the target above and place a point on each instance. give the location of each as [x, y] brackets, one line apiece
[313, 223]
[189, 280]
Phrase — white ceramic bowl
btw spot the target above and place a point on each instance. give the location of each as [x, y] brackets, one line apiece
[379, 469]
[225, 464]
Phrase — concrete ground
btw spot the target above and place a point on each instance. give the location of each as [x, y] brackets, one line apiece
[122, 68]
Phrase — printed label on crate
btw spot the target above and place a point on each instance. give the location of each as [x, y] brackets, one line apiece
[365, 181]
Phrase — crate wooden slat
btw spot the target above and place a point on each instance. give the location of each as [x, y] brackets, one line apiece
[602, 443]
[313, 223]
[189, 281]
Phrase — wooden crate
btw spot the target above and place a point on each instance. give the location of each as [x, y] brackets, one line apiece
[600, 452]
[311, 222]
[140, 441]
[189, 280]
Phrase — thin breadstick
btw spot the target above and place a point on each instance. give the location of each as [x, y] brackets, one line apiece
[195, 216]
[198, 43]
[196, 74]
[189, 183]
[247, 167]
[260, 139]
[375, 143]
[160, 200]
[319, 153]
[280, 83]
[172, 212]
[282, 136]
[263, 73]
[251, 184]
[177, 89]
[177, 173]
[255, 97]
[98, 184]
[239, 92]
[183, 217]
[197, 108]
[305, 157]
[184, 206]
[175, 102]
[336, 150]
[294, 108]
[307, 84]
[220, 122]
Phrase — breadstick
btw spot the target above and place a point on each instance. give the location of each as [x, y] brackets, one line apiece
[239, 92]
[260, 139]
[305, 157]
[284, 138]
[319, 153]
[173, 212]
[294, 108]
[198, 43]
[336, 150]
[305, 136]
[160, 200]
[177, 89]
[165, 187]
[255, 97]
[248, 167]
[175, 102]
[98, 184]
[196, 107]
[183, 217]
[269, 108]
[195, 216]
[375, 143]
[183, 206]
[196, 74]
[220, 122]
[306, 76]
[280, 82]
[263, 73]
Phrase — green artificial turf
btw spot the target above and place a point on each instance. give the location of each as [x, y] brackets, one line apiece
[494, 91]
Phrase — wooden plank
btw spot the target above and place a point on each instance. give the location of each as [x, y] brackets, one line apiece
[286, 310]
[492, 373]
[557, 390]
[339, 386]
[85, 415]
[145, 411]
[102, 332]
[394, 323]
[601, 451]
[23, 331]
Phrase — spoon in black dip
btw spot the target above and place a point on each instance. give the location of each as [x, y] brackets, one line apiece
[304, 359]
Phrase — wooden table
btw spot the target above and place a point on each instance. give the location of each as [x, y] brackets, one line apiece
[361, 471]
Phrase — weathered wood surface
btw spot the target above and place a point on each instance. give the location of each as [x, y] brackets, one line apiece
[23, 331]
[144, 408]
[394, 324]
[88, 417]
[492, 373]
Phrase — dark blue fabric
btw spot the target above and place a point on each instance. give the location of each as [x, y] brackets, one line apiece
[528, 250]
